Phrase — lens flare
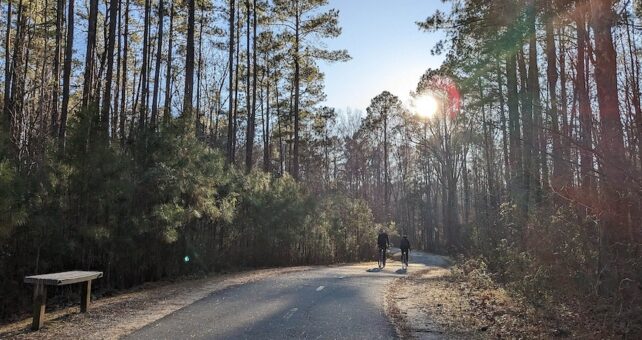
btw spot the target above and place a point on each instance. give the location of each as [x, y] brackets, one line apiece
[425, 106]
[442, 88]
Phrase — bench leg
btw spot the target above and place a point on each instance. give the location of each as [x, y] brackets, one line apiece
[39, 300]
[85, 296]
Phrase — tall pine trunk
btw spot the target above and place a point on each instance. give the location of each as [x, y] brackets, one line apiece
[60, 10]
[200, 126]
[230, 113]
[528, 149]
[123, 98]
[254, 81]
[502, 117]
[237, 80]
[611, 147]
[189, 67]
[168, 75]
[586, 156]
[7, 65]
[157, 68]
[116, 104]
[297, 90]
[88, 84]
[559, 163]
[111, 42]
[266, 144]
[514, 127]
[249, 143]
[144, 84]
[66, 77]
[567, 175]
[539, 168]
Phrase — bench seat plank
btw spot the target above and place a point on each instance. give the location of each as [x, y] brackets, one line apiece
[63, 278]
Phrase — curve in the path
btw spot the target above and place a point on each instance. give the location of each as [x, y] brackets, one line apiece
[326, 303]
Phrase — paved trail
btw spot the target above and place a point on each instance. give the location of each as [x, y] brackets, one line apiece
[326, 303]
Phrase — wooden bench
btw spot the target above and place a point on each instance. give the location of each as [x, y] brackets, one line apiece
[41, 282]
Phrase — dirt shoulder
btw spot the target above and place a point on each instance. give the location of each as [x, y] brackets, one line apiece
[114, 317]
[433, 304]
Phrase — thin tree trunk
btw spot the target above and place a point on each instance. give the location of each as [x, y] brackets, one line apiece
[88, 87]
[237, 79]
[144, 67]
[7, 66]
[514, 126]
[567, 179]
[586, 157]
[159, 51]
[66, 77]
[44, 120]
[502, 117]
[386, 193]
[111, 42]
[254, 77]
[8, 69]
[60, 5]
[528, 149]
[266, 138]
[249, 143]
[168, 75]
[200, 128]
[279, 124]
[297, 90]
[552, 77]
[189, 67]
[635, 91]
[540, 167]
[254, 70]
[230, 114]
[116, 104]
[488, 153]
[123, 99]
[135, 95]
[17, 82]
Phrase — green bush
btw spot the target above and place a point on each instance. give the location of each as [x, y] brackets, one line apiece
[157, 207]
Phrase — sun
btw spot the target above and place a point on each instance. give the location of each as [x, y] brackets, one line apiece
[425, 106]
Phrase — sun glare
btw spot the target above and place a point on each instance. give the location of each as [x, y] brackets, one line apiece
[425, 106]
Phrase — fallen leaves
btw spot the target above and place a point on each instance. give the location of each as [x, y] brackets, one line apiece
[113, 317]
[459, 308]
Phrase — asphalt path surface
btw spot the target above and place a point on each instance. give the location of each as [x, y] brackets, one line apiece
[336, 302]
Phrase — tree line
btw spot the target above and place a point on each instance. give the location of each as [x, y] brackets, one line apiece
[533, 162]
[151, 139]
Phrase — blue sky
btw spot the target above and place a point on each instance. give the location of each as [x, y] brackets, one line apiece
[388, 50]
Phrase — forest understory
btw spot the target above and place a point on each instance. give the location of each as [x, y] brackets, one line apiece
[465, 302]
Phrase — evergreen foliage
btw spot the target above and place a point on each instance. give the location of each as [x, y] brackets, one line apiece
[138, 213]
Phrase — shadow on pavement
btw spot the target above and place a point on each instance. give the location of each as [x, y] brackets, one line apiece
[280, 307]
[398, 271]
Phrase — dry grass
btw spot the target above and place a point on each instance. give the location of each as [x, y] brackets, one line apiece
[114, 317]
[431, 304]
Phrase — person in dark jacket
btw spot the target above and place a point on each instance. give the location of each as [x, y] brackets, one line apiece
[383, 242]
[405, 246]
